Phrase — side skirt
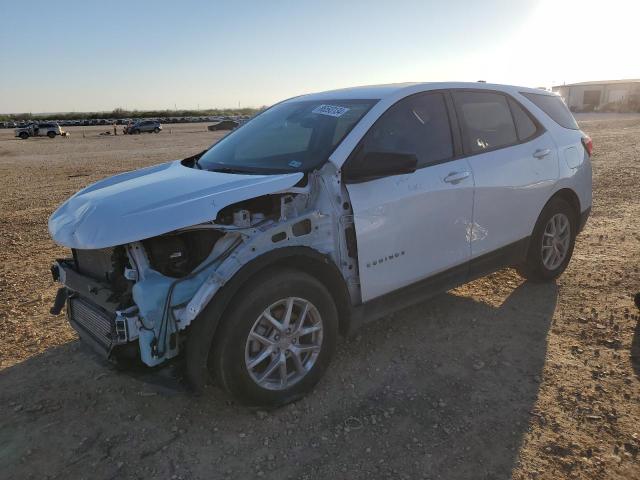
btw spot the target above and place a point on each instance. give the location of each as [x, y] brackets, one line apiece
[423, 290]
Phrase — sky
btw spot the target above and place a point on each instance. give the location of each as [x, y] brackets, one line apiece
[155, 54]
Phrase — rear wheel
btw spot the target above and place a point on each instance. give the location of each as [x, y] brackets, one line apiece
[24, 135]
[552, 242]
[276, 339]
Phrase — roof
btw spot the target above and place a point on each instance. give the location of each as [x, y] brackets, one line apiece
[378, 92]
[599, 82]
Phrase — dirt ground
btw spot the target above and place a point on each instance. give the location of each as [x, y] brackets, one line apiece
[497, 379]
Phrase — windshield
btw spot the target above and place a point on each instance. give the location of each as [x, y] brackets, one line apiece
[289, 137]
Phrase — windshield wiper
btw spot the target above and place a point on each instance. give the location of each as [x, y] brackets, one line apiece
[230, 170]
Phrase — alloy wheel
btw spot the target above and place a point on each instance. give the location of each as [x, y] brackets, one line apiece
[556, 240]
[284, 343]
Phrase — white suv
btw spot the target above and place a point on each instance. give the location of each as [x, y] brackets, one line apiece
[324, 211]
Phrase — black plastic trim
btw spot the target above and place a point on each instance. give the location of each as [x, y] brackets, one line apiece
[379, 307]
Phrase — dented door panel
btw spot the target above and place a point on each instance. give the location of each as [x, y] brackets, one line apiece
[410, 227]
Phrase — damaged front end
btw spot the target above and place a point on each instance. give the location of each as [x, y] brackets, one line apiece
[98, 298]
[137, 292]
[139, 297]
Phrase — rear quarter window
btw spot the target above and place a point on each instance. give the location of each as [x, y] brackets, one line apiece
[525, 126]
[553, 106]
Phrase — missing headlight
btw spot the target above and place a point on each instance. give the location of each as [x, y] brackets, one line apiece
[177, 254]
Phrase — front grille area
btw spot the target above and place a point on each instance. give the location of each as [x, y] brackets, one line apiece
[92, 321]
[97, 264]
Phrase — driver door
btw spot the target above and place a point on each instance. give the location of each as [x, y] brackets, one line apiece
[412, 226]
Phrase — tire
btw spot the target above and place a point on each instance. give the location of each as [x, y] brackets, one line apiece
[235, 359]
[24, 135]
[51, 134]
[136, 132]
[156, 130]
[548, 255]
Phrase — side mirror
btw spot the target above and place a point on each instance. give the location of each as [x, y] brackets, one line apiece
[374, 165]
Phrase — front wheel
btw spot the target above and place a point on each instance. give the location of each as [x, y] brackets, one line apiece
[51, 134]
[156, 130]
[552, 242]
[24, 135]
[276, 339]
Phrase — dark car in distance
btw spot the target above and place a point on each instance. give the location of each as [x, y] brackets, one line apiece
[142, 126]
[223, 125]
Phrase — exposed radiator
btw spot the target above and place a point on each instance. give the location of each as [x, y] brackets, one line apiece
[92, 321]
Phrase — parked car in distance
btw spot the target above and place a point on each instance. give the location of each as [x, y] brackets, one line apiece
[223, 125]
[322, 212]
[143, 126]
[50, 130]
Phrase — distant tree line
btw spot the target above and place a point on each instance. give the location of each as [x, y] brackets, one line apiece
[122, 113]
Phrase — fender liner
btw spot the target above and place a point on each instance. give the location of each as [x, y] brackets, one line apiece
[202, 330]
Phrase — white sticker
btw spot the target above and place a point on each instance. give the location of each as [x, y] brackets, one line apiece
[295, 164]
[331, 110]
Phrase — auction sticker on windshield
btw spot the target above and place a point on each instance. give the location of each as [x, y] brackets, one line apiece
[331, 110]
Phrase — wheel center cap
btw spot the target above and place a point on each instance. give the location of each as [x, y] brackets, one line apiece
[284, 343]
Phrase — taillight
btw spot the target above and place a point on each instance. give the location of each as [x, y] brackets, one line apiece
[588, 144]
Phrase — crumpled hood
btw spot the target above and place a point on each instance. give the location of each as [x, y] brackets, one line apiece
[145, 203]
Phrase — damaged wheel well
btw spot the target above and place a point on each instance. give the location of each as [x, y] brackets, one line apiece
[203, 329]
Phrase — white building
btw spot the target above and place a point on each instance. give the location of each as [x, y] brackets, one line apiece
[588, 96]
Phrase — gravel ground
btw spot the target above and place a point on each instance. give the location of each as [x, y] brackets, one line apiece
[497, 379]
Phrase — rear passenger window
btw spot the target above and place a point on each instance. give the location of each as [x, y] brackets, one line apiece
[553, 106]
[418, 124]
[485, 119]
[524, 125]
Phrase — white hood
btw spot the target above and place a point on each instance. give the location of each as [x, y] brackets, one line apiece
[145, 203]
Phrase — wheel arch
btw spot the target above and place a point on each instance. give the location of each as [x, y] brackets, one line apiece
[202, 331]
[569, 196]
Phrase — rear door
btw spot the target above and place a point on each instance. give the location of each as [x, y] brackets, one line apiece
[514, 164]
[412, 226]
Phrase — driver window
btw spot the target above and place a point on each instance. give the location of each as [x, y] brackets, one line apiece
[417, 125]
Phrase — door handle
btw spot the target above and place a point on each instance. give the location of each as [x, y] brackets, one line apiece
[456, 177]
[541, 152]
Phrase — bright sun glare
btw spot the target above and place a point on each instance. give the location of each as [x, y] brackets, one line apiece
[601, 35]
